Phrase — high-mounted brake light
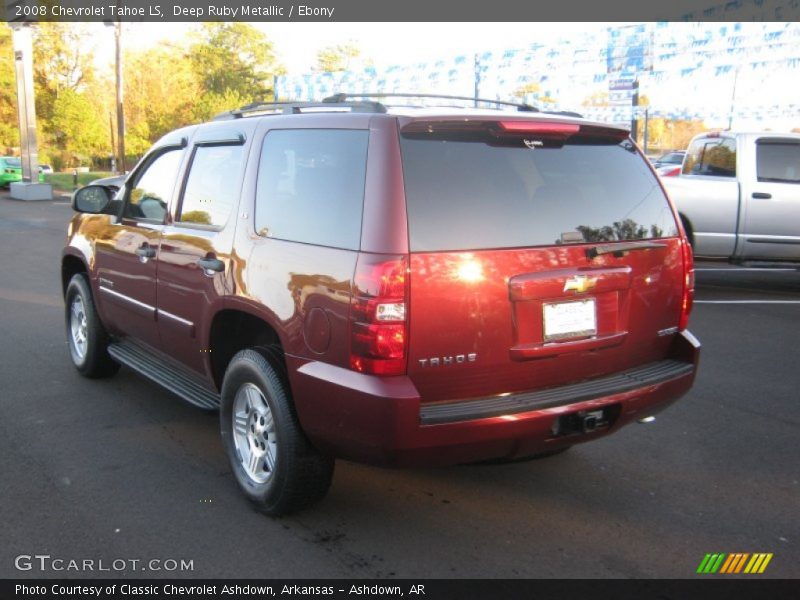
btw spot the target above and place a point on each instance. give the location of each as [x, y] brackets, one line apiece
[687, 299]
[539, 127]
[378, 316]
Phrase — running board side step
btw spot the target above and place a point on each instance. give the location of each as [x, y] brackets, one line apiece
[140, 360]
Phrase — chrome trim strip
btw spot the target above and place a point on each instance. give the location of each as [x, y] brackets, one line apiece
[128, 299]
[169, 315]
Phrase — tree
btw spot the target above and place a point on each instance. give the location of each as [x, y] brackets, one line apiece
[233, 57]
[161, 91]
[72, 129]
[533, 88]
[76, 128]
[9, 129]
[339, 57]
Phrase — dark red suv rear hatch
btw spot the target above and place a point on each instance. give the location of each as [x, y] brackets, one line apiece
[543, 253]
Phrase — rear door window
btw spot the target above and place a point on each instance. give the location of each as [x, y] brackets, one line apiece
[481, 193]
[711, 156]
[311, 186]
[778, 161]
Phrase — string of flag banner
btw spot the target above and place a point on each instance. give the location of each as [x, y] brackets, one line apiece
[732, 66]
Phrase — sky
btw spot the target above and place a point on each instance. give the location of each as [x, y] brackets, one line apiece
[391, 44]
[297, 44]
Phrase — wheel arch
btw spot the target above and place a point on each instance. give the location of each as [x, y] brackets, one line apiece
[233, 329]
[71, 265]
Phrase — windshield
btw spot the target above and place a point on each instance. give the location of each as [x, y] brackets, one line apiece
[466, 195]
[13, 162]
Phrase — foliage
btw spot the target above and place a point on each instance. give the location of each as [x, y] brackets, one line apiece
[76, 128]
[161, 92]
[533, 88]
[627, 229]
[233, 57]
[9, 129]
[338, 57]
[64, 181]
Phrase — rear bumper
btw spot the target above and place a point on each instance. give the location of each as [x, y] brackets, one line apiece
[381, 420]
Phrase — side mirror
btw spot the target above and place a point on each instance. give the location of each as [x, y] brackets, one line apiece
[93, 199]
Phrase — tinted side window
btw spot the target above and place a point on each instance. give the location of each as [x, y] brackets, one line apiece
[212, 185]
[711, 156]
[149, 198]
[778, 161]
[311, 186]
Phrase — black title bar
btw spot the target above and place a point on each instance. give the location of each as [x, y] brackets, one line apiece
[398, 11]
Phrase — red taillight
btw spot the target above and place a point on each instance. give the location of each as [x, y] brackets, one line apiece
[688, 285]
[672, 172]
[378, 316]
[539, 127]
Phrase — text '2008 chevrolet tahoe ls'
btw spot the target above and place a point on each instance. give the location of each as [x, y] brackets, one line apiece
[404, 287]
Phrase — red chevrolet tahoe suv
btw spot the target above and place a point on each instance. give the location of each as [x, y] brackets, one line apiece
[408, 286]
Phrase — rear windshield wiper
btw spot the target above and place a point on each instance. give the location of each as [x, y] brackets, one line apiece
[619, 249]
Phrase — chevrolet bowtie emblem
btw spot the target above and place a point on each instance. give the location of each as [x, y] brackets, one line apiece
[580, 283]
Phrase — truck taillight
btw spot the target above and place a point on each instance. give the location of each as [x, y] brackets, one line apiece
[688, 284]
[378, 316]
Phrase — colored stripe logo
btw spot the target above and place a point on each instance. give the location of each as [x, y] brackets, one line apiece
[739, 562]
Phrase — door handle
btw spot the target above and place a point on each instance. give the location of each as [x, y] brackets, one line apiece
[211, 265]
[146, 251]
[762, 195]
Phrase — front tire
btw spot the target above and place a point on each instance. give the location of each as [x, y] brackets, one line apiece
[86, 337]
[275, 465]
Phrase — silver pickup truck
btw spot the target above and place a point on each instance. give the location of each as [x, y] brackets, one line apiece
[738, 195]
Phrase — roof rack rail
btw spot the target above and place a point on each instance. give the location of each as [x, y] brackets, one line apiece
[343, 98]
[298, 107]
[563, 113]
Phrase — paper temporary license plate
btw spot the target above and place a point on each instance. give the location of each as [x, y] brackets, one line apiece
[569, 319]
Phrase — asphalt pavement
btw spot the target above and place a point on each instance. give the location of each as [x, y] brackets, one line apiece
[119, 469]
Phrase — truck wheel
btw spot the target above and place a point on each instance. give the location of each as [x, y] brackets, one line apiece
[276, 467]
[86, 337]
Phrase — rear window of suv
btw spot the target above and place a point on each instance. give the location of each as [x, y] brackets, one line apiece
[484, 193]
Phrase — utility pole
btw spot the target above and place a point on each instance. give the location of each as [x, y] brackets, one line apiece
[477, 79]
[29, 188]
[634, 110]
[733, 97]
[113, 153]
[120, 109]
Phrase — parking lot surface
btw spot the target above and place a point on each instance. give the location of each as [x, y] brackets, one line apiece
[120, 469]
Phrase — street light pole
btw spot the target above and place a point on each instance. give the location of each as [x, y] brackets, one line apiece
[29, 188]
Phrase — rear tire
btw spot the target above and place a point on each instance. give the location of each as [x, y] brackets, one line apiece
[275, 465]
[86, 337]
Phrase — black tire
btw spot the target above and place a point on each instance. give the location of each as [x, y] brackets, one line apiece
[300, 475]
[94, 361]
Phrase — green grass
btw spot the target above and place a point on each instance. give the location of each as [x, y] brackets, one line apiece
[64, 181]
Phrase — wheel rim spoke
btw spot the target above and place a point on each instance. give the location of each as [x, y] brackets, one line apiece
[240, 424]
[253, 462]
[78, 327]
[255, 442]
